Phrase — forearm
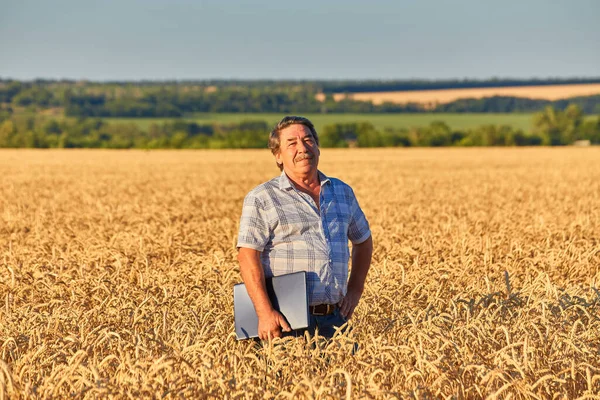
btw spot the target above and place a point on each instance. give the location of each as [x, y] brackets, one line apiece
[254, 278]
[361, 262]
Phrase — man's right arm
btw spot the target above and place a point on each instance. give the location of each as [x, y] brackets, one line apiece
[270, 321]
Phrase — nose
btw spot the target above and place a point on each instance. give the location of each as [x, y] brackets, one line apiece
[301, 147]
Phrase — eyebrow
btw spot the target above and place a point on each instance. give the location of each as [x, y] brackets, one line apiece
[305, 137]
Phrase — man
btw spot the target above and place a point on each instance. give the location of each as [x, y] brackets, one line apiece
[301, 221]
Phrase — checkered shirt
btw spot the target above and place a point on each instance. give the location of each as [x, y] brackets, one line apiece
[294, 235]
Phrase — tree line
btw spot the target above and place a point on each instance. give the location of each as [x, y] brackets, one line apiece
[377, 85]
[145, 100]
[552, 127]
[335, 86]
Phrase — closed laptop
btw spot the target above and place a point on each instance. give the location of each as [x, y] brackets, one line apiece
[288, 296]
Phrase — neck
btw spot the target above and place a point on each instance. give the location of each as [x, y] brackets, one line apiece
[310, 182]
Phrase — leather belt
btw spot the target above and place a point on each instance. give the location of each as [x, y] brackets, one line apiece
[322, 309]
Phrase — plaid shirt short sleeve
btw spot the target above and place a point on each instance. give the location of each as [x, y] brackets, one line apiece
[255, 233]
[358, 230]
[293, 234]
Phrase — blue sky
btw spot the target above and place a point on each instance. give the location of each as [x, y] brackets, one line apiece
[184, 39]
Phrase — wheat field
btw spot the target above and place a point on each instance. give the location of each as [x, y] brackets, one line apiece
[441, 96]
[117, 267]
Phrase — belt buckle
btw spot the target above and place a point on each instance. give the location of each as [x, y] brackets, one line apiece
[327, 311]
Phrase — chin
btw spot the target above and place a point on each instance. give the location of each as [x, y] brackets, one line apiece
[308, 170]
[302, 169]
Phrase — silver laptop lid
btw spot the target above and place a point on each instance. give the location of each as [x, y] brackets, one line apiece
[288, 295]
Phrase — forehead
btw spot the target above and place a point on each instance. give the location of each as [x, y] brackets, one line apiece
[295, 131]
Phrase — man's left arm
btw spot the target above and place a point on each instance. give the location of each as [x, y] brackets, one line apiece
[361, 262]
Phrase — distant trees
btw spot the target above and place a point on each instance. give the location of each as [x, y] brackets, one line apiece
[552, 127]
[173, 99]
[558, 127]
[38, 96]
[353, 86]
[9, 90]
[95, 133]
[26, 109]
[246, 101]
[503, 104]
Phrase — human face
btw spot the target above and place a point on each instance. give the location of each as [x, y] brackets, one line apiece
[298, 151]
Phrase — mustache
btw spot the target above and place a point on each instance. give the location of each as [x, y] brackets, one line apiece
[303, 156]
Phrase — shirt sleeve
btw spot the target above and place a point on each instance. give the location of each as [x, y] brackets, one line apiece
[254, 229]
[358, 230]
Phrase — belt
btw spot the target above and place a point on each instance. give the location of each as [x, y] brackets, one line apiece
[322, 309]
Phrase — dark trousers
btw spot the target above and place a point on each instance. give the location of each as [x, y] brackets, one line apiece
[325, 324]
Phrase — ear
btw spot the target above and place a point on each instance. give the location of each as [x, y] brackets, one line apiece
[278, 158]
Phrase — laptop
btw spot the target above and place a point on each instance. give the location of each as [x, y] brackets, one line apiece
[288, 295]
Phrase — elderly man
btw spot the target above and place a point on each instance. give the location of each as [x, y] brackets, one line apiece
[301, 221]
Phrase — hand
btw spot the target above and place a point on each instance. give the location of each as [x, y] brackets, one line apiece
[270, 325]
[349, 302]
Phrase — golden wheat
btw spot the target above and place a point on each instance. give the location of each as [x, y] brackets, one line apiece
[441, 96]
[117, 267]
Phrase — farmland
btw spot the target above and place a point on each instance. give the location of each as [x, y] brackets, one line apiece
[440, 96]
[117, 267]
[380, 121]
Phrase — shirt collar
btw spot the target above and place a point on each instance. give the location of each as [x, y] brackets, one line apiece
[286, 184]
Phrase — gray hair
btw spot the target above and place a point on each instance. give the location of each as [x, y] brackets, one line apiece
[274, 143]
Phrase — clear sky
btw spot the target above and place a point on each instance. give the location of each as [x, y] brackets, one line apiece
[305, 39]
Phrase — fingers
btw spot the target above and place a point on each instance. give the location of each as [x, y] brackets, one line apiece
[342, 305]
[347, 312]
[350, 312]
[274, 331]
[269, 335]
[347, 306]
[271, 324]
[286, 327]
[263, 335]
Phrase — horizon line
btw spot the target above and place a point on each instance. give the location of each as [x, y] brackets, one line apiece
[582, 79]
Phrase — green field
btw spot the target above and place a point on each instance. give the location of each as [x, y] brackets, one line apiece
[380, 121]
